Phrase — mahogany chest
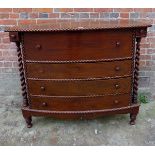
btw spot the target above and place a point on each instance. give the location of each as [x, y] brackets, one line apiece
[79, 70]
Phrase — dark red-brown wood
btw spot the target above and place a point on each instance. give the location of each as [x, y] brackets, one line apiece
[89, 24]
[133, 110]
[79, 70]
[80, 103]
[83, 45]
[80, 88]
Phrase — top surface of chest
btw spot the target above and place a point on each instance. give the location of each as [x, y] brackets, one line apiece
[71, 25]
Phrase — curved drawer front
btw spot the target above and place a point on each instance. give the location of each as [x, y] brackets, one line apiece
[79, 88]
[82, 45]
[77, 104]
[79, 70]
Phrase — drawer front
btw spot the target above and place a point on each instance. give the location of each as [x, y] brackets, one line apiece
[84, 45]
[79, 70]
[77, 104]
[79, 88]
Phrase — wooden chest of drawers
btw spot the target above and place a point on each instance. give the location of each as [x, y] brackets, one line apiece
[79, 70]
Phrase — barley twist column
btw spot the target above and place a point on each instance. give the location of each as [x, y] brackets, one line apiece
[22, 78]
[136, 71]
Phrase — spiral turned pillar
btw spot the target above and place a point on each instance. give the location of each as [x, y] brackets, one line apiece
[136, 70]
[22, 77]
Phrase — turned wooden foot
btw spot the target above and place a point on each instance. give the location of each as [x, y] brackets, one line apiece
[29, 121]
[132, 118]
[28, 118]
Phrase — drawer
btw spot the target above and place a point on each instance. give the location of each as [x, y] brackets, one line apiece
[79, 87]
[81, 45]
[79, 70]
[77, 103]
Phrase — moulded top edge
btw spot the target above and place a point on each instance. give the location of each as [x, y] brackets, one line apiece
[67, 25]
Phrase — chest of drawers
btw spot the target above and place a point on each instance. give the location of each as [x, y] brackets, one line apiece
[79, 70]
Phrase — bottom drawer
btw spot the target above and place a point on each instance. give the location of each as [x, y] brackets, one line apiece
[80, 103]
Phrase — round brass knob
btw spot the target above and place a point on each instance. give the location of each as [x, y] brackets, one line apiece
[117, 68]
[42, 88]
[117, 86]
[38, 46]
[44, 104]
[116, 101]
[117, 43]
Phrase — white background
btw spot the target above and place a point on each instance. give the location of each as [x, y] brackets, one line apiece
[77, 3]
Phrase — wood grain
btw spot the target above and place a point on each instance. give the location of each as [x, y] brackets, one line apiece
[79, 88]
[78, 104]
[77, 45]
[79, 70]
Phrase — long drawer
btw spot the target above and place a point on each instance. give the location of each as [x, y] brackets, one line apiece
[77, 103]
[79, 70]
[81, 45]
[79, 87]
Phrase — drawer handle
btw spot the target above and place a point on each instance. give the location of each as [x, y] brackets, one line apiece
[142, 31]
[38, 46]
[41, 71]
[117, 68]
[116, 101]
[44, 104]
[13, 36]
[42, 88]
[117, 86]
[118, 43]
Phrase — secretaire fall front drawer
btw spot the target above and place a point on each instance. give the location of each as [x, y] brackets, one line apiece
[79, 87]
[81, 45]
[79, 70]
